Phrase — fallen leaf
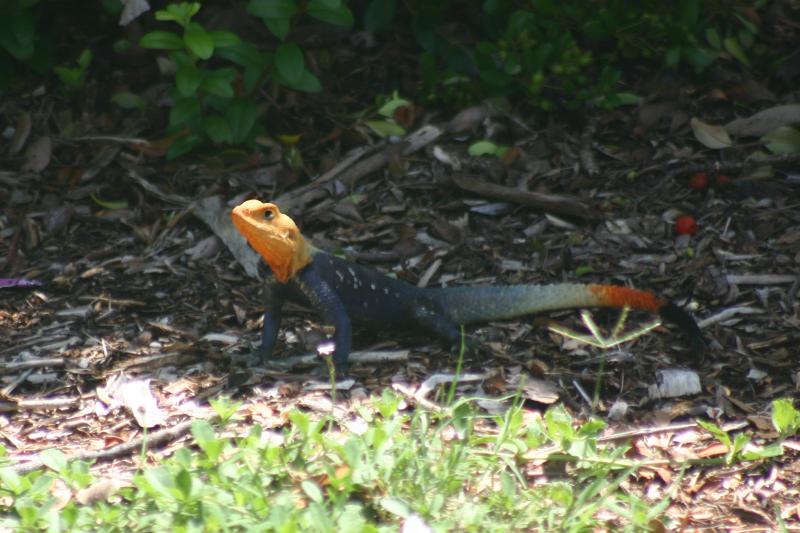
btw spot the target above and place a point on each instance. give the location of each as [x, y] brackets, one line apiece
[100, 490]
[132, 9]
[37, 156]
[764, 121]
[784, 140]
[21, 132]
[710, 136]
[468, 119]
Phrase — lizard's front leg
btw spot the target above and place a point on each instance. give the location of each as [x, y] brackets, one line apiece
[327, 303]
[273, 314]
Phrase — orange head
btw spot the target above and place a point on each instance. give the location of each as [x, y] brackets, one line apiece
[274, 236]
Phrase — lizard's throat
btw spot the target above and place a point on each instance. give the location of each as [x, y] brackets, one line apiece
[284, 256]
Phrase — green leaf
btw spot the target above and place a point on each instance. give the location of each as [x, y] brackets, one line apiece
[181, 59]
[203, 433]
[395, 506]
[329, 4]
[339, 16]
[672, 57]
[717, 431]
[783, 140]
[183, 482]
[272, 9]
[199, 41]
[184, 111]
[732, 46]
[308, 82]
[290, 63]
[486, 148]
[379, 14]
[161, 481]
[54, 459]
[218, 129]
[188, 79]
[388, 109]
[689, 11]
[18, 35]
[181, 13]
[785, 417]
[312, 491]
[129, 100]
[85, 59]
[770, 450]
[626, 98]
[10, 480]
[244, 54]
[558, 424]
[713, 38]
[241, 116]
[161, 40]
[219, 83]
[183, 145]
[278, 27]
[700, 58]
[385, 128]
[224, 38]
[225, 408]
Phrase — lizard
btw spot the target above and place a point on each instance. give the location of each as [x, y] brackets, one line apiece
[343, 292]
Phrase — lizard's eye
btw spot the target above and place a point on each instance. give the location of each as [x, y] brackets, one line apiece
[269, 215]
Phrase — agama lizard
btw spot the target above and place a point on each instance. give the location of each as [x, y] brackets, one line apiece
[343, 292]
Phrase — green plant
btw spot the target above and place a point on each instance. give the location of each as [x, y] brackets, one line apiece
[73, 78]
[209, 104]
[277, 16]
[785, 419]
[565, 53]
[205, 106]
[18, 28]
[18, 36]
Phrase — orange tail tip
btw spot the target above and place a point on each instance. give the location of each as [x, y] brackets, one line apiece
[614, 296]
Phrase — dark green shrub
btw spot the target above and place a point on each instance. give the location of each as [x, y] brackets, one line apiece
[570, 53]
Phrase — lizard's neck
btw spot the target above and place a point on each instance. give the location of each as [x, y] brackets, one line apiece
[285, 259]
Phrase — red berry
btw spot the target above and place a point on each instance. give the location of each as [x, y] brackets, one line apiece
[685, 225]
[723, 180]
[699, 181]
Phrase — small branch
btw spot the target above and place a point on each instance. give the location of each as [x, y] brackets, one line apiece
[729, 167]
[350, 170]
[150, 441]
[553, 203]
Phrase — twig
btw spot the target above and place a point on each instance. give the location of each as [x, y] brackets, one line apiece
[437, 379]
[31, 405]
[728, 313]
[355, 357]
[553, 203]
[684, 169]
[351, 170]
[15, 366]
[149, 441]
[760, 279]
[585, 153]
[409, 393]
